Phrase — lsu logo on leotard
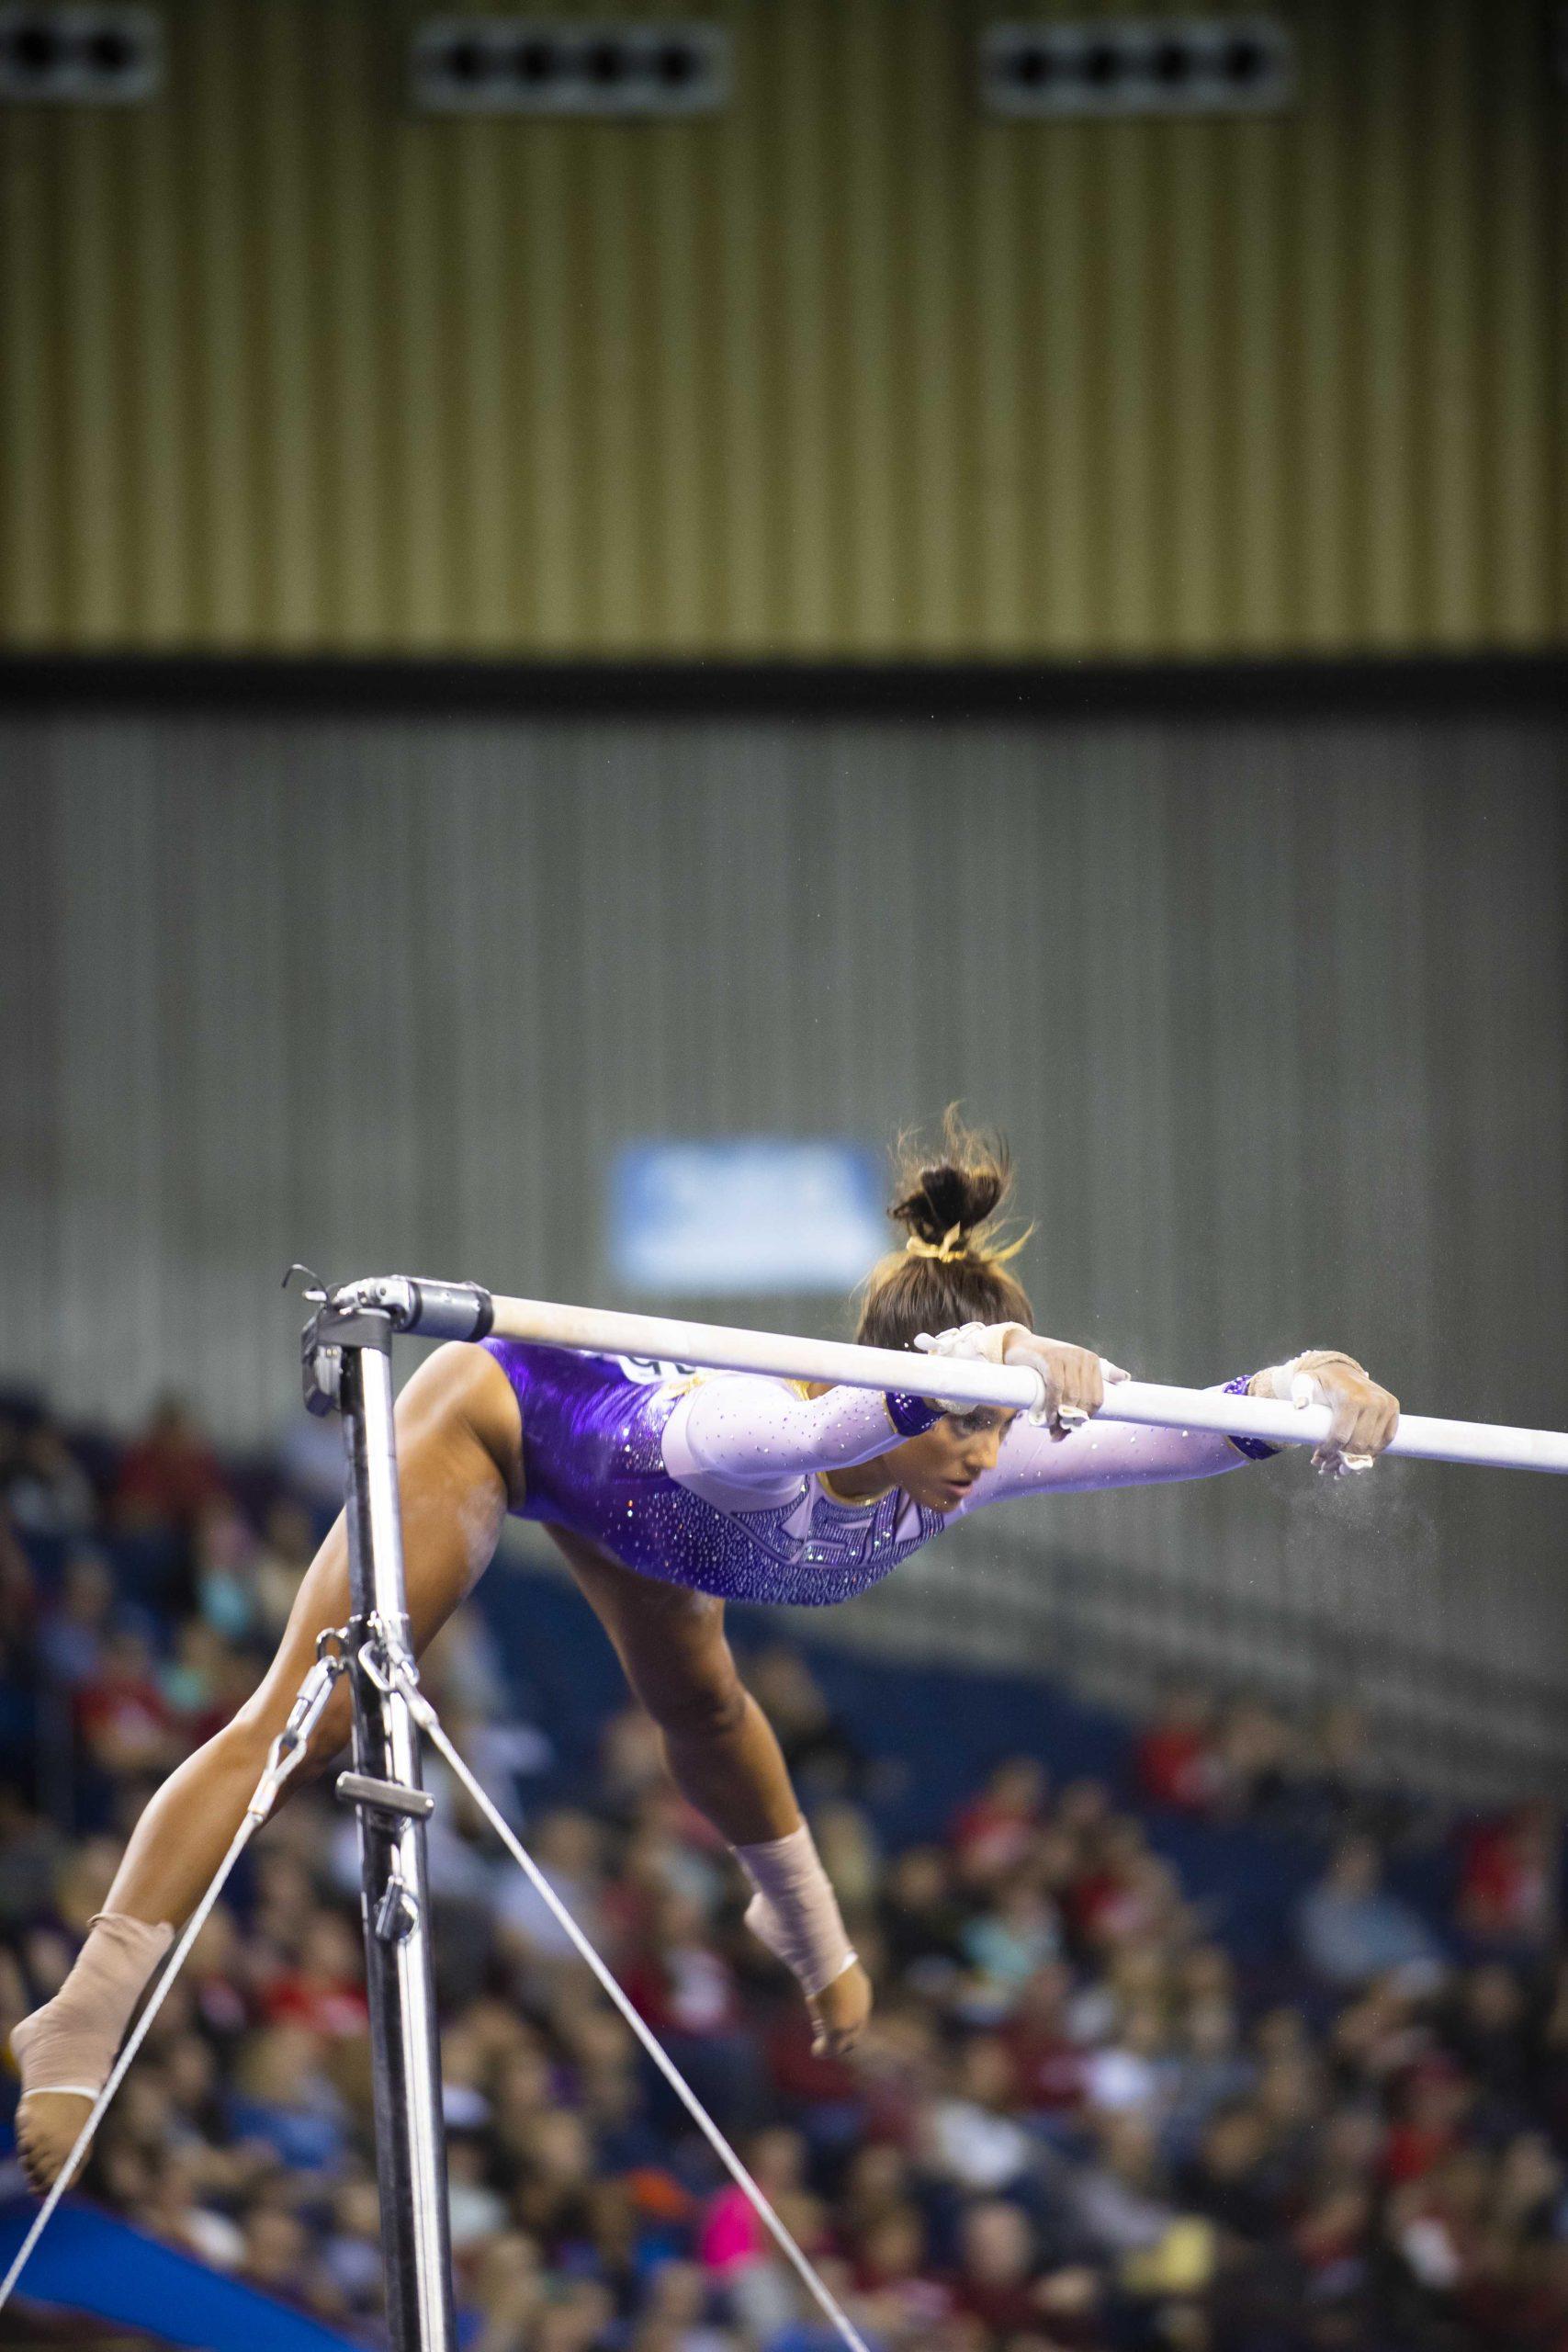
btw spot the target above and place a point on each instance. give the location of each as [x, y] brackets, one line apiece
[655, 1372]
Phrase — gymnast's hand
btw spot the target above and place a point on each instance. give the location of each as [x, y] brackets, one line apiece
[1074, 1378]
[1365, 1416]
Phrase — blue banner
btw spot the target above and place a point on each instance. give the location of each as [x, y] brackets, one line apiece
[87, 2261]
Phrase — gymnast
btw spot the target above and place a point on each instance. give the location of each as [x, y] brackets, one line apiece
[669, 1494]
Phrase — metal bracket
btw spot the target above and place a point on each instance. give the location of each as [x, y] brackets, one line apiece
[397, 1913]
[385, 1796]
[333, 1328]
[366, 1315]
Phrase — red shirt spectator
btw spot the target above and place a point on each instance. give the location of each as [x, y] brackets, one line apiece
[1508, 1878]
[121, 1713]
[170, 1475]
[322, 1990]
[1049, 2069]
[1174, 1761]
[680, 1983]
[991, 1834]
[1438, 2097]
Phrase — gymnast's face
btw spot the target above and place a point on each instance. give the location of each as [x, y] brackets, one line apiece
[939, 1468]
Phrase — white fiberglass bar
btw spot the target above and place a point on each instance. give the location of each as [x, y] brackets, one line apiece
[600, 1333]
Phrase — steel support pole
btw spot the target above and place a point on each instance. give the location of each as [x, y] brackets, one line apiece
[411, 2151]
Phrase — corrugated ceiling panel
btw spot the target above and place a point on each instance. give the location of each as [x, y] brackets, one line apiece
[850, 369]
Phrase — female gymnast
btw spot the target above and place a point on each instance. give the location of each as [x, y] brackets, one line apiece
[669, 1494]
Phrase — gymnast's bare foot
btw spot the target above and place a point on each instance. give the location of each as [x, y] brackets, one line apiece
[840, 2011]
[47, 2125]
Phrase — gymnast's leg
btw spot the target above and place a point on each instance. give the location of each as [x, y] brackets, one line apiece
[458, 1446]
[724, 1758]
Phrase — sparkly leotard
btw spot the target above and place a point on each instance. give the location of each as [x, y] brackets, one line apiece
[717, 1481]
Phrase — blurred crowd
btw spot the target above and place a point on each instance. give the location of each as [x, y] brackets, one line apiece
[1082, 2123]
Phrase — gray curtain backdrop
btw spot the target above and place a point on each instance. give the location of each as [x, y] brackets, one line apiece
[1273, 1013]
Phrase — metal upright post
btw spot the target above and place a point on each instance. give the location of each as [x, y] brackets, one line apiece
[385, 1790]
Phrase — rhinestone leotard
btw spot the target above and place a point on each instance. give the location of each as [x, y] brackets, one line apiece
[611, 1452]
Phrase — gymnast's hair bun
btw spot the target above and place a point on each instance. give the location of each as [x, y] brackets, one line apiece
[950, 1269]
[944, 1201]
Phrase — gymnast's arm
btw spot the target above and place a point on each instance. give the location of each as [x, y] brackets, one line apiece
[1099, 1454]
[1105, 1453]
[744, 1434]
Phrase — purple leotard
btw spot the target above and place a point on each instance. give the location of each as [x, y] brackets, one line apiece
[717, 1481]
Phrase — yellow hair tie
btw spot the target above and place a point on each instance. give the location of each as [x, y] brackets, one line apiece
[952, 1245]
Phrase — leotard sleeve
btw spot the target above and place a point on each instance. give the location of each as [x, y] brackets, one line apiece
[1109, 1454]
[745, 1441]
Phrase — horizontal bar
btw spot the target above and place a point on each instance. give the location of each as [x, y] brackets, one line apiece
[1151, 1404]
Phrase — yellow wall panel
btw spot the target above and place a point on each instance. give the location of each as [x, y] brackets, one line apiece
[851, 369]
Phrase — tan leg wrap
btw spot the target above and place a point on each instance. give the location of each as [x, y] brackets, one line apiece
[69, 2043]
[795, 1910]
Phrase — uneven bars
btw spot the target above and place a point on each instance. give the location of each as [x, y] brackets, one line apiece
[466, 1311]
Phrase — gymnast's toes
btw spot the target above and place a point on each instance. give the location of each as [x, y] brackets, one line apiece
[840, 2012]
[47, 2125]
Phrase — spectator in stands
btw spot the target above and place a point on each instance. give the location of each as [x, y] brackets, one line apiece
[76, 1627]
[1342, 1792]
[285, 2097]
[171, 1475]
[223, 1564]
[1209, 2070]
[1049, 2061]
[1007, 1942]
[32, 1854]
[1077, 2125]
[997, 2277]
[690, 1996]
[824, 1758]
[992, 1833]
[975, 2138]
[1256, 1760]
[567, 1846]
[127, 1727]
[1485, 2027]
[1350, 1928]
[287, 1548]
[1174, 1759]
[45, 1490]
[351, 2250]
[321, 1988]
[1509, 1891]
[920, 1918]
[1226, 2180]
[850, 1855]
[1120, 2201]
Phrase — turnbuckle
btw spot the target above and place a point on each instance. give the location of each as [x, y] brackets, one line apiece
[287, 1750]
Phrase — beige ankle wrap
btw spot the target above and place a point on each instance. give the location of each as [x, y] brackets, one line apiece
[69, 2043]
[795, 1911]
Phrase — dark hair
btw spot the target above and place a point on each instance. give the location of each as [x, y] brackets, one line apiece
[948, 1201]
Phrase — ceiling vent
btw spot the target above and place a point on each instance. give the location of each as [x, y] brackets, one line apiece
[521, 65]
[82, 56]
[1163, 65]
